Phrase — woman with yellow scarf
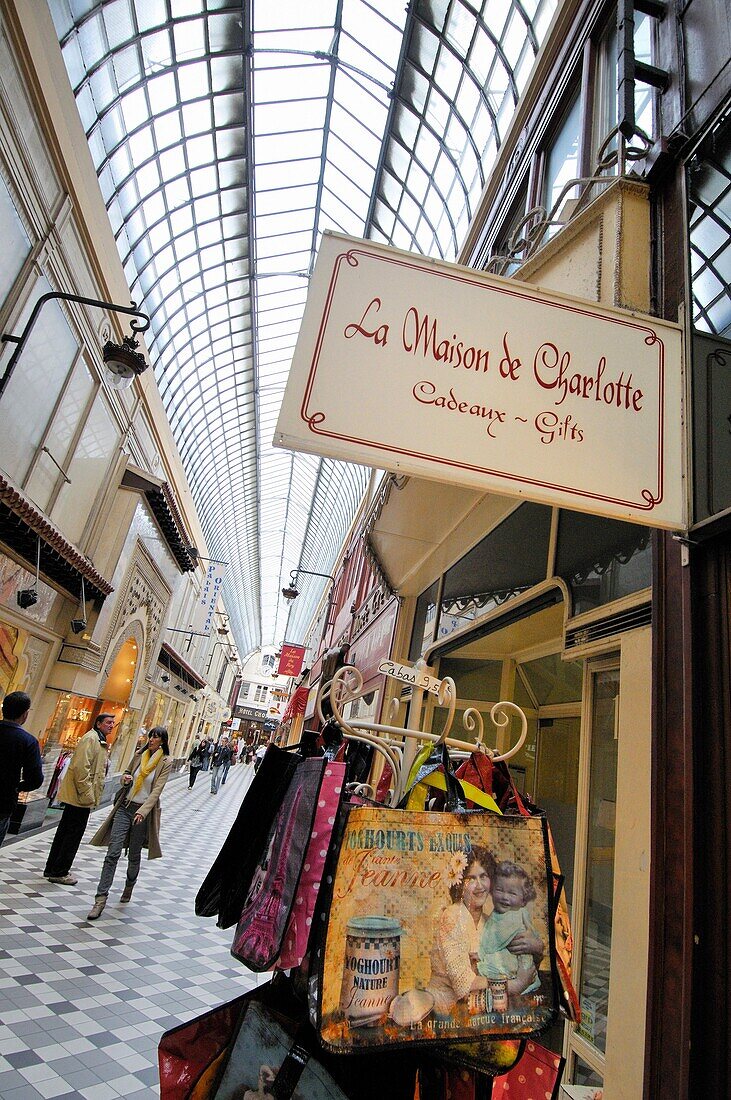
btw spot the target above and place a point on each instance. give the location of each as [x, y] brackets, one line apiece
[134, 822]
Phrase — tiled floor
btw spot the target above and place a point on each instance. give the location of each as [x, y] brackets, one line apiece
[83, 1005]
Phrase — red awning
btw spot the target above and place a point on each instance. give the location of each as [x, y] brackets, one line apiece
[296, 704]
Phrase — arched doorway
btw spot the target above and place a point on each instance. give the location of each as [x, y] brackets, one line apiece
[115, 694]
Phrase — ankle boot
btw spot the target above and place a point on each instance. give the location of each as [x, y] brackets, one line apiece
[127, 892]
[98, 907]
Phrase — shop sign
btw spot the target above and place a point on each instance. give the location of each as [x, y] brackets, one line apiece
[290, 660]
[407, 674]
[432, 369]
[205, 606]
[374, 642]
[249, 713]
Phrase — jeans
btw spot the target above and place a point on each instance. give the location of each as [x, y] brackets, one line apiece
[4, 822]
[66, 842]
[226, 766]
[123, 832]
[216, 777]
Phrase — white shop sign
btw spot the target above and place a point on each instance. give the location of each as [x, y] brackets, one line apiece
[442, 372]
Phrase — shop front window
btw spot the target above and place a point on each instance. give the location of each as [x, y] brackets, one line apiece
[602, 559]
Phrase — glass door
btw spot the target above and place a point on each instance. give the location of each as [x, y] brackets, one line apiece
[594, 875]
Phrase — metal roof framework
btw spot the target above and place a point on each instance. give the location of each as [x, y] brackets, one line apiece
[227, 136]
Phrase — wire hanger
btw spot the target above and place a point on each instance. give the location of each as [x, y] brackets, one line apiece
[347, 685]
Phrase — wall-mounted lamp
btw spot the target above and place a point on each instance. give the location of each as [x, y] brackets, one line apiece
[26, 597]
[291, 592]
[123, 361]
[77, 625]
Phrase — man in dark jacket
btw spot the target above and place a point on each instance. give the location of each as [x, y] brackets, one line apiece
[22, 769]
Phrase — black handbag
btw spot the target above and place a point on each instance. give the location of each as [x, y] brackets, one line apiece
[225, 887]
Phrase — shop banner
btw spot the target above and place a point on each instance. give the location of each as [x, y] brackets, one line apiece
[431, 369]
[205, 606]
[290, 660]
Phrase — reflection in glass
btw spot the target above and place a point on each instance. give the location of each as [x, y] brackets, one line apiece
[594, 985]
[585, 1075]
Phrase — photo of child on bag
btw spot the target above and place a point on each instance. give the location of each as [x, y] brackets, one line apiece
[438, 929]
[512, 891]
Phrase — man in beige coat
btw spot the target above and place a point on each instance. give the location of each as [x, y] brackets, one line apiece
[134, 822]
[80, 791]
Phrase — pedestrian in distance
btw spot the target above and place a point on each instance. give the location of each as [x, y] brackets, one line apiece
[260, 754]
[195, 760]
[231, 758]
[134, 822]
[80, 792]
[221, 757]
[22, 768]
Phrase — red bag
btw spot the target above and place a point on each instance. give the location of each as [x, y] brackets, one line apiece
[537, 1075]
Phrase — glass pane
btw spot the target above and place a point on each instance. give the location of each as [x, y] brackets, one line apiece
[562, 162]
[594, 985]
[602, 559]
[474, 679]
[557, 781]
[553, 680]
[16, 245]
[586, 1076]
[423, 629]
[37, 381]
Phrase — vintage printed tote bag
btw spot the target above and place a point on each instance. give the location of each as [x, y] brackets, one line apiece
[439, 929]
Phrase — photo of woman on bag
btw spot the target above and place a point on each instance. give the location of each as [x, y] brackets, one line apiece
[456, 950]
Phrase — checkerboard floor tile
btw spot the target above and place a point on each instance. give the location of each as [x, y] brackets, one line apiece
[83, 1004]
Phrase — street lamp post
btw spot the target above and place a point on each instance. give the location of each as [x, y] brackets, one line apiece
[122, 360]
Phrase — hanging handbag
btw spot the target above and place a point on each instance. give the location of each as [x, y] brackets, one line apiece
[407, 955]
[225, 887]
[221, 1054]
[274, 884]
[299, 924]
[251, 1047]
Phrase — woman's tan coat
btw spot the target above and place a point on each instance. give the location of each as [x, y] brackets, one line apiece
[149, 809]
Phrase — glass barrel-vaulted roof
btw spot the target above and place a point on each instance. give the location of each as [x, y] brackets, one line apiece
[227, 136]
